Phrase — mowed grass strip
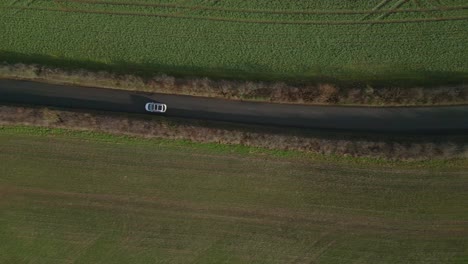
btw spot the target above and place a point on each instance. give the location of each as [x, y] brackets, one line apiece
[382, 41]
[88, 197]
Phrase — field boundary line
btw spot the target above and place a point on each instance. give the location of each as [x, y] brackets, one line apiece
[266, 11]
[251, 21]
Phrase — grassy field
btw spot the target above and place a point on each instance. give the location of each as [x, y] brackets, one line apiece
[381, 41]
[76, 197]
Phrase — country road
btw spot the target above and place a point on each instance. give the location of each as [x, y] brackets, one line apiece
[381, 119]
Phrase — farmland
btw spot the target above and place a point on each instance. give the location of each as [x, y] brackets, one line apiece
[82, 197]
[389, 41]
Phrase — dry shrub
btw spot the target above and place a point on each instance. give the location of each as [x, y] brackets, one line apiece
[132, 82]
[304, 94]
[19, 71]
[327, 93]
[244, 90]
[162, 82]
[416, 94]
[353, 95]
[51, 117]
[226, 89]
[278, 90]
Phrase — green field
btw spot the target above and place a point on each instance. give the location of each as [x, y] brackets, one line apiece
[75, 197]
[380, 41]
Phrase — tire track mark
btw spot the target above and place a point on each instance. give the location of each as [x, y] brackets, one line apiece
[283, 12]
[249, 21]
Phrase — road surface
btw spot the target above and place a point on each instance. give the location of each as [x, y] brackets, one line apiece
[370, 119]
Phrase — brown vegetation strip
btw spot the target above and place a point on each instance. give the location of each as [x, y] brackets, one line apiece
[254, 21]
[278, 92]
[267, 11]
[356, 145]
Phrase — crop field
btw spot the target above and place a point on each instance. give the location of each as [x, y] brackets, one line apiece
[388, 41]
[81, 197]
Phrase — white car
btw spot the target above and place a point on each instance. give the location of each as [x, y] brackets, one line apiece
[155, 107]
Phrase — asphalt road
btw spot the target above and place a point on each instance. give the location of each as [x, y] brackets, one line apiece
[385, 119]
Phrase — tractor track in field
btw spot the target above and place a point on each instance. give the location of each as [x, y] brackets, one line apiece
[251, 21]
[266, 11]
